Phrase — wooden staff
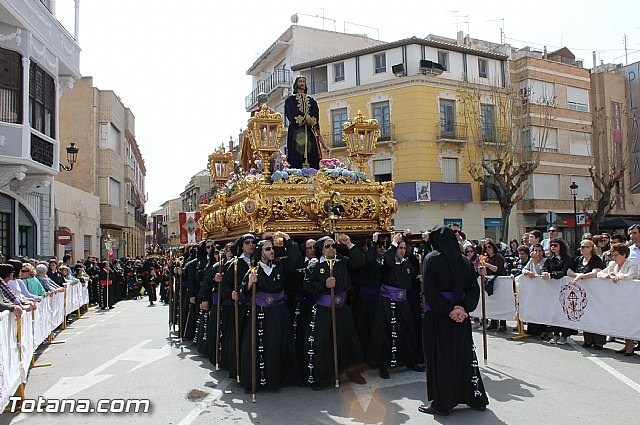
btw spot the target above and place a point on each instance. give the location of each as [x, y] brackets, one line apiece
[331, 263]
[423, 302]
[237, 316]
[106, 287]
[221, 269]
[254, 337]
[180, 306]
[483, 279]
[171, 316]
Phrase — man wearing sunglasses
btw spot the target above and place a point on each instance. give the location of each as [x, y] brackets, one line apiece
[234, 272]
[318, 366]
[276, 362]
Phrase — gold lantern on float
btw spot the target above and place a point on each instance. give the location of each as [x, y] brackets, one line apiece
[265, 130]
[220, 165]
[360, 135]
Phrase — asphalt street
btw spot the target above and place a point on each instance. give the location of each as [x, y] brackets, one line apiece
[127, 353]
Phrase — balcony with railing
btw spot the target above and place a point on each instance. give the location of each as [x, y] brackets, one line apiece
[496, 135]
[42, 150]
[274, 80]
[450, 131]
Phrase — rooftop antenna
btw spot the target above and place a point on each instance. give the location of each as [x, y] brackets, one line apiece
[344, 28]
[501, 28]
[458, 22]
[295, 18]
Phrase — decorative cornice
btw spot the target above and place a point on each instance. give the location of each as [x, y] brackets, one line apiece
[12, 172]
[11, 36]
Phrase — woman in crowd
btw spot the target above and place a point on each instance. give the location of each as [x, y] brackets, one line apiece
[586, 266]
[556, 267]
[521, 261]
[451, 292]
[532, 270]
[28, 273]
[54, 274]
[513, 248]
[472, 256]
[621, 268]
[492, 266]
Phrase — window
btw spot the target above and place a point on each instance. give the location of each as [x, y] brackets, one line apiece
[447, 118]
[113, 138]
[487, 115]
[114, 192]
[537, 91]
[42, 100]
[483, 68]
[585, 186]
[4, 233]
[87, 246]
[546, 186]
[544, 138]
[338, 72]
[381, 113]
[338, 117]
[577, 99]
[450, 170]
[10, 86]
[380, 62]
[382, 170]
[579, 143]
[443, 59]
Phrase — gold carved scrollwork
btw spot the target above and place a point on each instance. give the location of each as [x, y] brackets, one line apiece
[289, 207]
[388, 206]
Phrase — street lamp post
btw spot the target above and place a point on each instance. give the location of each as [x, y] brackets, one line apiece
[574, 193]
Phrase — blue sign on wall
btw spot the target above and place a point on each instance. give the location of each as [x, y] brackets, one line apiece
[492, 222]
[450, 221]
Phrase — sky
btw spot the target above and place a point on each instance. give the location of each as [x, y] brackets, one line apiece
[180, 66]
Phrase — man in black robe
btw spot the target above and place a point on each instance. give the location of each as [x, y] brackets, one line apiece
[303, 133]
[318, 281]
[234, 272]
[451, 292]
[276, 363]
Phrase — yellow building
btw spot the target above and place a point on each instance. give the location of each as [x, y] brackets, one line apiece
[413, 88]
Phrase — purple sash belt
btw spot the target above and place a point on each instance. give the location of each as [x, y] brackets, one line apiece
[448, 295]
[393, 293]
[214, 298]
[325, 300]
[266, 299]
[369, 292]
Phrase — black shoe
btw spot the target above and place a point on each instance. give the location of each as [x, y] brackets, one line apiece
[416, 368]
[587, 345]
[492, 327]
[431, 411]
[597, 347]
[356, 378]
[316, 386]
[629, 354]
[384, 373]
[478, 408]
[502, 328]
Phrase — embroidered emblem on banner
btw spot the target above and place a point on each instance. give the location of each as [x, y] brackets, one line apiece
[321, 271]
[574, 301]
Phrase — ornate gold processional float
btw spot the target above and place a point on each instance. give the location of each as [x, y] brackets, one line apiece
[301, 202]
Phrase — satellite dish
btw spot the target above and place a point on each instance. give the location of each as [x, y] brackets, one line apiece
[294, 18]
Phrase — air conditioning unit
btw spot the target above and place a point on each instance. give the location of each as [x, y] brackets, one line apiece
[430, 67]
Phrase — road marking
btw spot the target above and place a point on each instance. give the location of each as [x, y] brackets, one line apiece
[612, 371]
[68, 386]
[365, 393]
[619, 376]
[200, 407]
